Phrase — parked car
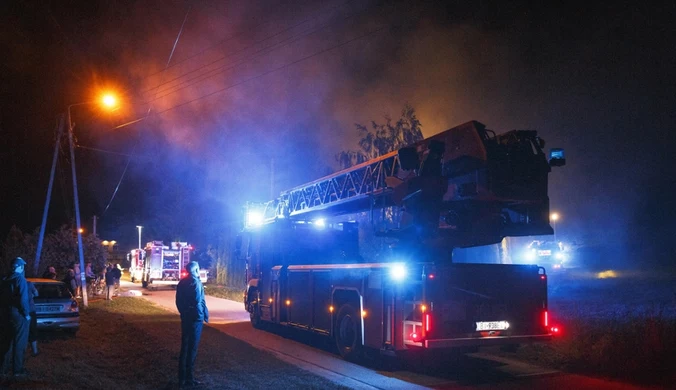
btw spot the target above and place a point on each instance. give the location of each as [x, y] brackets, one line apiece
[55, 306]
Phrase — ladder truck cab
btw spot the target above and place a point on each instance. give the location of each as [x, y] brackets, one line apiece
[165, 265]
[307, 267]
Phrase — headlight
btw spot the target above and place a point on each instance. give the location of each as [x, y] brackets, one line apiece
[254, 218]
[530, 255]
[319, 223]
[560, 256]
[398, 272]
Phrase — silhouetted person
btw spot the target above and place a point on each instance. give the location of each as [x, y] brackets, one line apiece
[50, 273]
[117, 274]
[110, 282]
[193, 308]
[69, 280]
[33, 327]
[15, 308]
[78, 280]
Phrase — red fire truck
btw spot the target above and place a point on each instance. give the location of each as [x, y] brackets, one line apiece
[136, 257]
[308, 268]
[165, 265]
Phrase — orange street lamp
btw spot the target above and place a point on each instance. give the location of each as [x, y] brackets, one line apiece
[109, 100]
[554, 217]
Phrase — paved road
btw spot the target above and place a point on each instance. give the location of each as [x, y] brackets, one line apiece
[480, 370]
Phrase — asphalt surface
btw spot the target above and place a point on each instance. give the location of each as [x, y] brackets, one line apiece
[479, 370]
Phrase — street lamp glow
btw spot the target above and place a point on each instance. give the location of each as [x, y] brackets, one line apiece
[139, 227]
[109, 100]
[554, 216]
[80, 230]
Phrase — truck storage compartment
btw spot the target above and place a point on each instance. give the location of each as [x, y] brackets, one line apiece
[482, 304]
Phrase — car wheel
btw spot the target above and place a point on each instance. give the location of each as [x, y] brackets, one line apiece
[348, 332]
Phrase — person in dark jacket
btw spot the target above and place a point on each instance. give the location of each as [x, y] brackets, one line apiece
[69, 280]
[33, 327]
[193, 309]
[15, 309]
[110, 282]
[50, 273]
[117, 274]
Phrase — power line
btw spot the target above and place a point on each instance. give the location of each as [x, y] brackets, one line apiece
[243, 50]
[104, 151]
[276, 69]
[224, 40]
[260, 53]
[171, 54]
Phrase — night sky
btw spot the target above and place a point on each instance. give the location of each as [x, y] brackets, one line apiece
[250, 85]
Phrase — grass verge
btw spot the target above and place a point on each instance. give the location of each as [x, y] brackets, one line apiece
[220, 291]
[630, 345]
[131, 343]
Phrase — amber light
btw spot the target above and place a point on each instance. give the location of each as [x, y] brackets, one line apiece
[270, 300]
[331, 309]
[109, 100]
[288, 302]
[363, 313]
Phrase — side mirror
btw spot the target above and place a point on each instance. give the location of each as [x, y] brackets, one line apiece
[557, 157]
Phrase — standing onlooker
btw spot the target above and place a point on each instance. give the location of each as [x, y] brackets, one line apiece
[50, 273]
[33, 327]
[70, 282]
[117, 274]
[15, 306]
[78, 279]
[110, 282]
[193, 308]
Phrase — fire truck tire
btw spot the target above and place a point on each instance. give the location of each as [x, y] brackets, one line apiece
[348, 332]
[254, 309]
[133, 279]
[144, 284]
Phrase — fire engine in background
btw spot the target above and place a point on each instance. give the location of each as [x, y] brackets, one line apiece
[136, 257]
[464, 187]
[164, 265]
[546, 253]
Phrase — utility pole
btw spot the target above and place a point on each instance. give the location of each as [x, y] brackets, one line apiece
[83, 280]
[59, 131]
[95, 226]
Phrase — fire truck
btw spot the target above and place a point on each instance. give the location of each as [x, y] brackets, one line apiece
[306, 267]
[136, 257]
[165, 265]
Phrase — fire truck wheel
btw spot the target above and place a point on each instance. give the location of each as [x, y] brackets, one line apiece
[348, 332]
[254, 310]
[133, 279]
[144, 284]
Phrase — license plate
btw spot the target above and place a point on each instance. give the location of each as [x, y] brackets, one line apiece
[491, 325]
[47, 309]
[547, 252]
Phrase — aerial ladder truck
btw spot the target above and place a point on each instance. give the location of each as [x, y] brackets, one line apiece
[463, 187]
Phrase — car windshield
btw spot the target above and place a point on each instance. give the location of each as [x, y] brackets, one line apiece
[52, 290]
